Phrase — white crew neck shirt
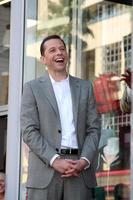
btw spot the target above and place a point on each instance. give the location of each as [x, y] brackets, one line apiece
[64, 101]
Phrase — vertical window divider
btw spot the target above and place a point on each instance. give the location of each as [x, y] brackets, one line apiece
[13, 164]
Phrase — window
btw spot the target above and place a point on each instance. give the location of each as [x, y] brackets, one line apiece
[112, 58]
[106, 10]
[127, 50]
[4, 76]
[107, 54]
[4, 51]
[96, 51]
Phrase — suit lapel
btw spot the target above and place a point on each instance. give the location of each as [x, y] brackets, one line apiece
[75, 93]
[49, 92]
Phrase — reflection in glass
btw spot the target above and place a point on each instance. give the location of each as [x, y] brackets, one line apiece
[106, 56]
[4, 52]
[98, 38]
[44, 18]
[4, 76]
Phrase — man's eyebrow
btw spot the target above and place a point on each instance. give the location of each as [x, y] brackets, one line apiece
[51, 48]
[62, 46]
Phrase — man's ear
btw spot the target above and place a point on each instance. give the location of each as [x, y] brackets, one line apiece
[42, 59]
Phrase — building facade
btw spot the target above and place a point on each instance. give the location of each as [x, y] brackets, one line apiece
[99, 38]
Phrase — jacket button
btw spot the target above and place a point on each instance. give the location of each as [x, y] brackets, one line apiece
[59, 131]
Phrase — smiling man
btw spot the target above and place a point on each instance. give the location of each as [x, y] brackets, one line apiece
[61, 127]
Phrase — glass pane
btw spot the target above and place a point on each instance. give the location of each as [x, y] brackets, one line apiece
[103, 55]
[4, 51]
[4, 75]
[98, 35]
[43, 18]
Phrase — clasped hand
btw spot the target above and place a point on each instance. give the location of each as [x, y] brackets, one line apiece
[69, 167]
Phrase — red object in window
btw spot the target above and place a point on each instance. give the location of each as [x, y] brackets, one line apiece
[26, 197]
[106, 88]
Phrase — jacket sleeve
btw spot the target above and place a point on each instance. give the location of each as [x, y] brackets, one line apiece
[30, 127]
[93, 127]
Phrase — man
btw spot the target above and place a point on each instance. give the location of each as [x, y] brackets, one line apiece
[61, 127]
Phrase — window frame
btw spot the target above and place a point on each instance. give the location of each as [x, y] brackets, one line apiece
[13, 163]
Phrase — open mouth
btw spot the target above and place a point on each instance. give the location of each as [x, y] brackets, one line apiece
[59, 60]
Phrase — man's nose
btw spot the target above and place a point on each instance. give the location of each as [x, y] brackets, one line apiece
[58, 51]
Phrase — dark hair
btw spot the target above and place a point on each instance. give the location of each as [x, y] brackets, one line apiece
[49, 38]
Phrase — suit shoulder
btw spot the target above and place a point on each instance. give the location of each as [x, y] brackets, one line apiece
[82, 81]
[32, 82]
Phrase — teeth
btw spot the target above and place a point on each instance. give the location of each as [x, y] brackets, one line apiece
[59, 59]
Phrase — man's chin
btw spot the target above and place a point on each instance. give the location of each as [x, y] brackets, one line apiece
[60, 68]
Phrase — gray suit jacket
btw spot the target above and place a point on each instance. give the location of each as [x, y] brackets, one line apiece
[41, 127]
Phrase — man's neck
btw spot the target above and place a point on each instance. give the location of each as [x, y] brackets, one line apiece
[58, 76]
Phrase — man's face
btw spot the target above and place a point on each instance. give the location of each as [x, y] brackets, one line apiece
[55, 55]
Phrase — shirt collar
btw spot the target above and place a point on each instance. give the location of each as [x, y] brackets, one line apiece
[56, 82]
